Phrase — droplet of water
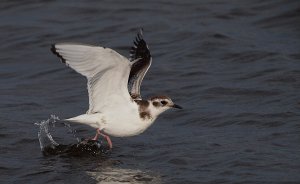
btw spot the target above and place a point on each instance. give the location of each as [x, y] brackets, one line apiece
[44, 132]
[49, 146]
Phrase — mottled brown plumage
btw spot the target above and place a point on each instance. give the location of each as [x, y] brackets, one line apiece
[143, 109]
[155, 104]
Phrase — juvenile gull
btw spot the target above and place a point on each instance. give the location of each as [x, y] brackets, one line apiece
[116, 107]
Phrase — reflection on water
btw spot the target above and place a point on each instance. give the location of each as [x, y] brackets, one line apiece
[106, 171]
[108, 175]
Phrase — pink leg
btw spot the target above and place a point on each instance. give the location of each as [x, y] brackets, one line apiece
[96, 137]
[103, 135]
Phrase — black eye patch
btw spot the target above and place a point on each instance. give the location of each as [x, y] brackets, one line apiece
[164, 102]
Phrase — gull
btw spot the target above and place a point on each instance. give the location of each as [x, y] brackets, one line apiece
[116, 107]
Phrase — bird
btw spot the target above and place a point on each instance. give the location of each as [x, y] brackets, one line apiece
[116, 107]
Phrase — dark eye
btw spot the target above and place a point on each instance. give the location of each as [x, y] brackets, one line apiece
[163, 102]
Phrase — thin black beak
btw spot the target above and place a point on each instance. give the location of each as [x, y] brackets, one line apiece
[177, 106]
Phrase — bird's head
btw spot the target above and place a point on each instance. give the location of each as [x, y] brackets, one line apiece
[159, 104]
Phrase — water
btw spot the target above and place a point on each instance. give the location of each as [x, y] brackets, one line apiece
[83, 147]
[233, 65]
[44, 134]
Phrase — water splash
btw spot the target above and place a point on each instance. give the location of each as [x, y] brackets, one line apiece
[44, 132]
[82, 147]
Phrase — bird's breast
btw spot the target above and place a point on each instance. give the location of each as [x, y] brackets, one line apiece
[126, 127]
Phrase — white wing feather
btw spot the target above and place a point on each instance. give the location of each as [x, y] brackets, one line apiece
[106, 70]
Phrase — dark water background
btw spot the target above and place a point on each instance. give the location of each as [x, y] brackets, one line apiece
[233, 65]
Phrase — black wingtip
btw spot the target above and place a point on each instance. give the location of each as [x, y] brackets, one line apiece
[53, 50]
[140, 33]
[140, 49]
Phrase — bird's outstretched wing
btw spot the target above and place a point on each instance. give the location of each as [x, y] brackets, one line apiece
[140, 55]
[106, 71]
